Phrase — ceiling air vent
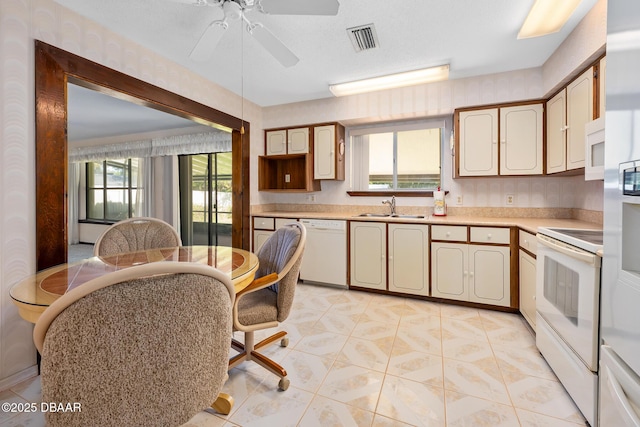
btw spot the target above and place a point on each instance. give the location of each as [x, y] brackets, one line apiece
[363, 37]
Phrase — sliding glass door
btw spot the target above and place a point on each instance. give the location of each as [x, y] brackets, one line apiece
[205, 199]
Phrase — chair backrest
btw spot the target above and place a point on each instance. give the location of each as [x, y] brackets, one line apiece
[136, 234]
[282, 254]
[147, 345]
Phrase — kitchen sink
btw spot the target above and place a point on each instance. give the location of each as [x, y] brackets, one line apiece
[380, 215]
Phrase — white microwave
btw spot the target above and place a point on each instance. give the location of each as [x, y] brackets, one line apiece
[594, 150]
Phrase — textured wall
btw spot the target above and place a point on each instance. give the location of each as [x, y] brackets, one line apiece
[20, 22]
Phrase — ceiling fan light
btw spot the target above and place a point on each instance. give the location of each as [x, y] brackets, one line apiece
[232, 10]
[408, 78]
[547, 17]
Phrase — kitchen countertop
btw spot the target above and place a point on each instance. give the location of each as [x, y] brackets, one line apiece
[528, 224]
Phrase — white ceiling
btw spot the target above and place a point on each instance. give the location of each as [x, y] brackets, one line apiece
[475, 37]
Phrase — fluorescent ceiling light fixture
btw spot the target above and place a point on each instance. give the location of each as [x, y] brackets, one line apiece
[409, 78]
[546, 17]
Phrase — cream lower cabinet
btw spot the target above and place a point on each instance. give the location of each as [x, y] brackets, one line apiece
[527, 276]
[368, 253]
[472, 271]
[408, 261]
[528, 287]
[489, 275]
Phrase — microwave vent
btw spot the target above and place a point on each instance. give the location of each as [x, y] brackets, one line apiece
[363, 37]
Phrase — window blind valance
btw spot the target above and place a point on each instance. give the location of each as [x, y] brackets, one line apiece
[205, 142]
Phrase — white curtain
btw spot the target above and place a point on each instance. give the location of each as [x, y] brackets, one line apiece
[144, 185]
[74, 192]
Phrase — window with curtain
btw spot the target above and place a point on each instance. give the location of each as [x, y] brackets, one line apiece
[113, 189]
[397, 157]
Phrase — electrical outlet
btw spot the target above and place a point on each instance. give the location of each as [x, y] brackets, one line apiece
[287, 177]
[311, 197]
[459, 199]
[510, 198]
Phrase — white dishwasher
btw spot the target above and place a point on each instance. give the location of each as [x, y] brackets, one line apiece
[325, 255]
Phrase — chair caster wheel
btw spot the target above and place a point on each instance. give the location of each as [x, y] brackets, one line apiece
[283, 384]
[284, 342]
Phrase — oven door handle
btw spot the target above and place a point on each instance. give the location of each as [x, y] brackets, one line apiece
[587, 257]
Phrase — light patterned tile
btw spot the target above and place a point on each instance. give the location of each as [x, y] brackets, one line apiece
[311, 302]
[383, 313]
[323, 344]
[481, 379]
[498, 319]
[374, 330]
[337, 323]
[542, 396]
[463, 410]
[421, 320]
[524, 361]
[459, 312]
[25, 419]
[463, 328]
[323, 412]
[353, 385]
[30, 390]
[10, 397]
[371, 354]
[380, 421]
[423, 307]
[306, 371]
[418, 339]
[269, 407]
[412, 402]
[348, 308]
[205, 419]
[242, 384]
[416, 366]
[466, 349]
[532, 419]
[304, 318]
[514, 337]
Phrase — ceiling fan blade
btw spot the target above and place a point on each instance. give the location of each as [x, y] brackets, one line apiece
[203, 50]
[274, 46]
[300, 7]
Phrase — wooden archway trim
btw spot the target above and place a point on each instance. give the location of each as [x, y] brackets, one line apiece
[55, 67]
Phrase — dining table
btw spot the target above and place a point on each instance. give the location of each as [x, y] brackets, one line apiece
[33, 294]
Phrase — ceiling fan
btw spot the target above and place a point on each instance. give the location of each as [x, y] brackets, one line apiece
[234, 10]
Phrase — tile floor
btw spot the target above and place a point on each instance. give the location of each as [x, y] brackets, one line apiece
[360, 359]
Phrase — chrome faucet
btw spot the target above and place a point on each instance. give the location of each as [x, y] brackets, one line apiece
[391, 203]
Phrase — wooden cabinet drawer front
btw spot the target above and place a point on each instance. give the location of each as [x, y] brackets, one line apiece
[454, 233]
[528, 241]
[490, 235]
[260, 223]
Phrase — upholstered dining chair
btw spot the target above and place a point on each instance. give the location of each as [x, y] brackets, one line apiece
[268, 299]
[146, 345]
[136, 234]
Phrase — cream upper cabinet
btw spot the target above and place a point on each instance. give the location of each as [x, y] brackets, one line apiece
[579, 112]
[567, 114]
[287, 141]
[324, 152]
[478, 142]
[408, 262]
[557, 133]
[368, 250]
[276, 142]
[298, 141]
[519, 129]
[521, 140]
